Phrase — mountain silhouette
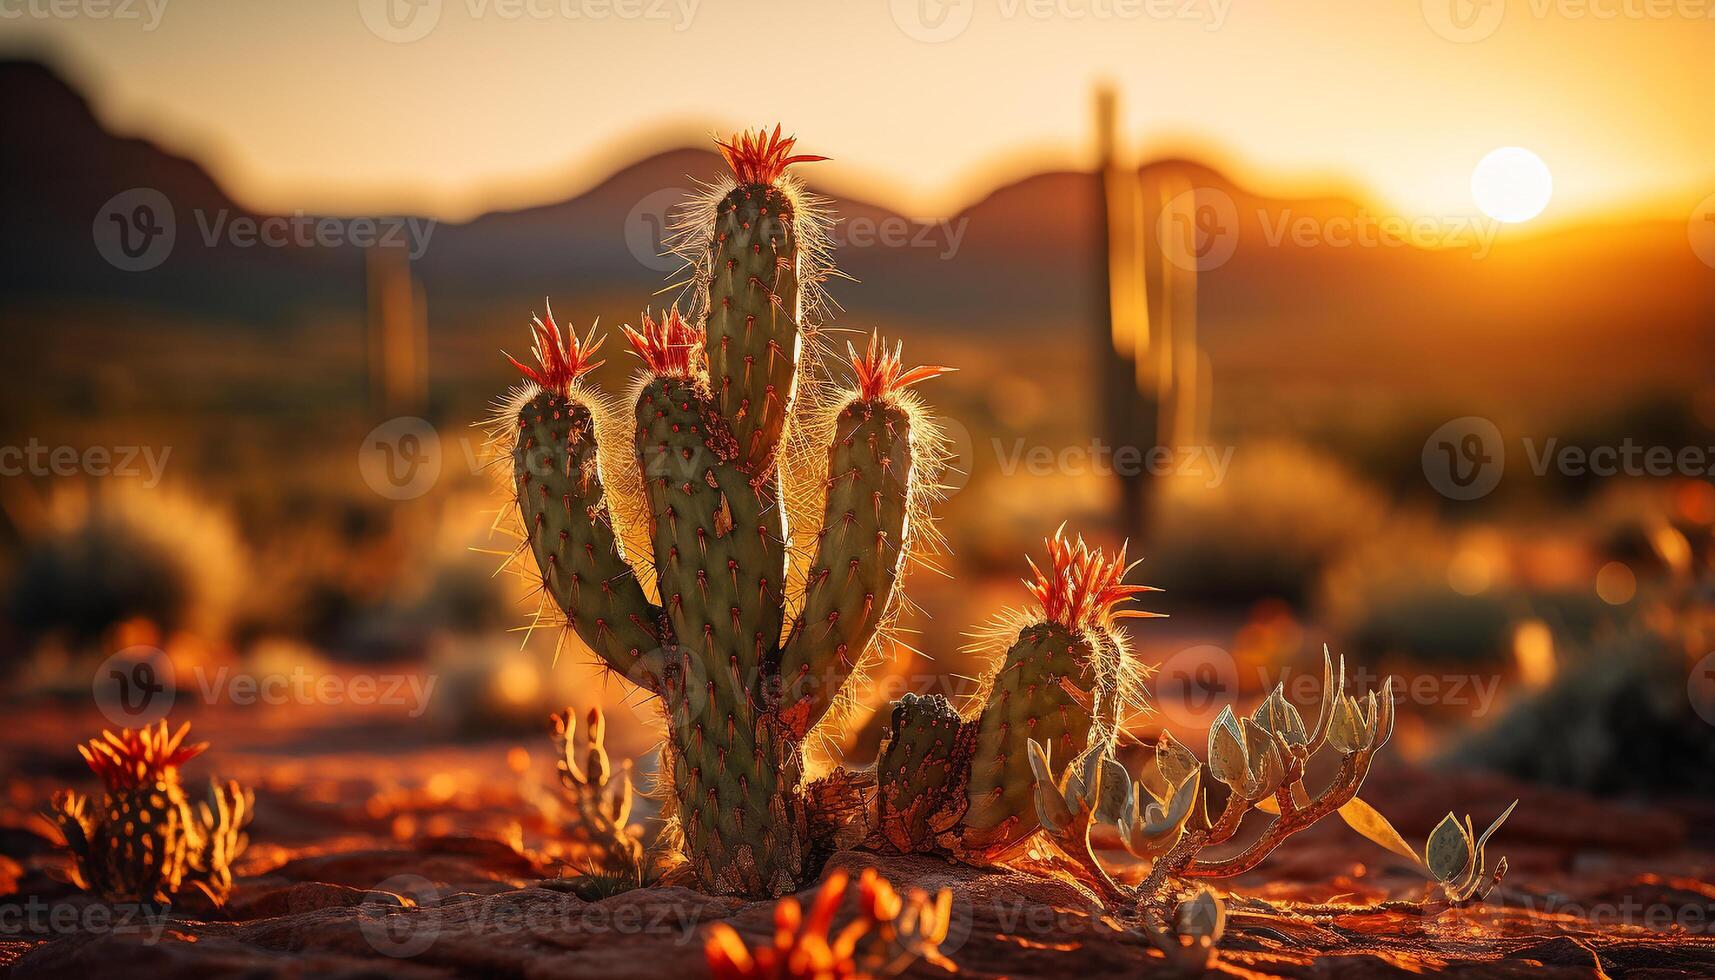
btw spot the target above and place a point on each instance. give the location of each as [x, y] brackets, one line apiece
[1016, 266]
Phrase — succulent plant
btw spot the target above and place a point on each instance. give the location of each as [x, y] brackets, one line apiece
[1457, 859]
[147, 840]
[889, 934]
[662, 536]
[1257, 764]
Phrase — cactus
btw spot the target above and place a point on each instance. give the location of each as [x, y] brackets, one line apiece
[147, 840]
[669, 536]
[1063, 683]
[721, 444]
[922, 772]
[755, 294]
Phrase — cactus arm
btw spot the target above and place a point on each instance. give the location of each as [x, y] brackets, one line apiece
[859, 551]
[754, 309]
[558, 484]
[755, 302]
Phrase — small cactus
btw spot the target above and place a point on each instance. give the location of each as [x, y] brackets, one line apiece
[925, 763]
[147, 840]
[606, 843]
[1063, 683]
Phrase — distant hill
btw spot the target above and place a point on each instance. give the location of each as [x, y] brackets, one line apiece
[59, 169]
[1587, 307]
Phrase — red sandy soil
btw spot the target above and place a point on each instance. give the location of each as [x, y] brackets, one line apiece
[373, 855]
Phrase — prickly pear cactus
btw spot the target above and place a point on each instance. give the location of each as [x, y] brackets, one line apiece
[727, 438]
[146, 840]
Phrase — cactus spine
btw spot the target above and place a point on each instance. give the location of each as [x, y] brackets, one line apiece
[711, 416]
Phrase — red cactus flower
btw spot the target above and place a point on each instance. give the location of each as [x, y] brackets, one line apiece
[759, 158]
[887, 933]
[563, 359]
[667, 346]
[879, 372]
[1083, 585]
[139, 757]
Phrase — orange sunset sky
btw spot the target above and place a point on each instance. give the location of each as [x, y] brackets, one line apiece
[451, 107]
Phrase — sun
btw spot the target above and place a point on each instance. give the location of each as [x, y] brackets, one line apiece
[1512, 184]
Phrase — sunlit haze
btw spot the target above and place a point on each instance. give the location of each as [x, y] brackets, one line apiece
[304, 105]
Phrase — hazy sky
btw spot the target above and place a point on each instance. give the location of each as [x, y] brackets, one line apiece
[340, 105]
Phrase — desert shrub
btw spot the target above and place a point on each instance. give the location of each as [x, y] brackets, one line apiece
[1268, 529]
[1619, 722]
[100, 556]
[1434, 624]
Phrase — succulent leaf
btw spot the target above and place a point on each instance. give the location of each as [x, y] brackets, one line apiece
[1369, 822]
[1150, 830]
[1228, 761]
[1052, 809]
[1203, 918]
[1173, 760]
[1113, 796]
[1346, 727]
[1279, 716]
[1449, 850]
